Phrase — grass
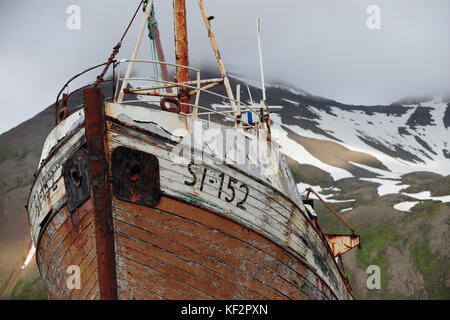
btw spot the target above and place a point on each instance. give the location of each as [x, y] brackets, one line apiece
[12, 154]
[378, 236]
[29, 290]
[309, 174]
[432, 270]
[375, 241]
[327, 221]
[426, 181]
[5, 285]
[427, 209]
[12, 188]
[349, 275]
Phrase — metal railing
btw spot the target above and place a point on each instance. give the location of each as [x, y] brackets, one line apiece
[159, 89]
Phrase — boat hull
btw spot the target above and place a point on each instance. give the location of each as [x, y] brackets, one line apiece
[173, 251]
[178, 251]
[193, 238]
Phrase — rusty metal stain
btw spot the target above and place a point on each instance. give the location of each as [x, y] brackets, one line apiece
[76, 179]
[342, 243]
[94, 109]
[181, 51]
[136, 176]
[61, 112]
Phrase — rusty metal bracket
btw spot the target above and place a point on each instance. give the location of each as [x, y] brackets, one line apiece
[94, 110]
[62, 112]
[76, 179]
[136, 176]
[341, 243]
[310, 190]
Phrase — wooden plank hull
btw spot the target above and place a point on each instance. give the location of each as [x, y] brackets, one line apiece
[69, 239]
[178, 251]
[173, 251]
[201, 240]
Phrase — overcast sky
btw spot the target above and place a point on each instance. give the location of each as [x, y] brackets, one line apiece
[321, 46]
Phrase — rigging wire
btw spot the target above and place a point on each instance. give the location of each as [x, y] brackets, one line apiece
[152, 29]
[116, 48]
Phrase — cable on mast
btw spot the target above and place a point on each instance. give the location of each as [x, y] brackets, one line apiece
[258, 28]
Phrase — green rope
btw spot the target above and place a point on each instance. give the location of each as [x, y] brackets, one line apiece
[152, 26]
[152, 23]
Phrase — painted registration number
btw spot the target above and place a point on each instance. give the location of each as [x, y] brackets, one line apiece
[226, 183]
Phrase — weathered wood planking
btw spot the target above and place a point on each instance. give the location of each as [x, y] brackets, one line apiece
[133, 275]
[176, 175]
[48, 191]
[164, 152]
[262, 263]
[191, 274]
[223, 252]
[168, 125]
[270, 217]
[69, 240]
[72, 123]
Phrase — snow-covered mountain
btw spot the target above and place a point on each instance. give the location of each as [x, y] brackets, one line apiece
[404, 138]
[372, 143]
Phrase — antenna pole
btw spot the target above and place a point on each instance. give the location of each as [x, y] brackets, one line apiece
[137, 44]
[238, 98]
[223, 72]
[258, 27]
[181, 52]
[264, 117]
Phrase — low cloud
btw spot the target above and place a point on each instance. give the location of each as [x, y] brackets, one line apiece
[323, 47]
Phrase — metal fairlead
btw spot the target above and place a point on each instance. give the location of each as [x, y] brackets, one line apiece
[175, 105]
[76, 179]
[136, 176]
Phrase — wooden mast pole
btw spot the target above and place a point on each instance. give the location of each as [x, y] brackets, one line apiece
[223, 72]
[160, 52]
[137, 44]
[181, 52]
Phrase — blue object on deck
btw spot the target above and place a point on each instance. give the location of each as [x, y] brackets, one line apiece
[250, 118]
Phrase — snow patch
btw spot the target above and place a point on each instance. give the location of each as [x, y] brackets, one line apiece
[383, 128]
[405, 206]
[295, 103]
[387, 186]
[297, 152]
[426, 195]
[328, 197]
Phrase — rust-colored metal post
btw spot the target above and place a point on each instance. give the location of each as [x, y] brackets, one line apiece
[94, 106]
[181, 51]
[330, 208]
[161, 57]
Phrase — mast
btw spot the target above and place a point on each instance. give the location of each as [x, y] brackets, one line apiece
[159, 49]
[222, 69]
[181, 51]
[137, 44]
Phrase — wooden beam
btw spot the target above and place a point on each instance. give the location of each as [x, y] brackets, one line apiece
[222, 69]
[94, 106]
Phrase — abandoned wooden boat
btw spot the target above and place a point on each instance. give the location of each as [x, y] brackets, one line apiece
[151, 199]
